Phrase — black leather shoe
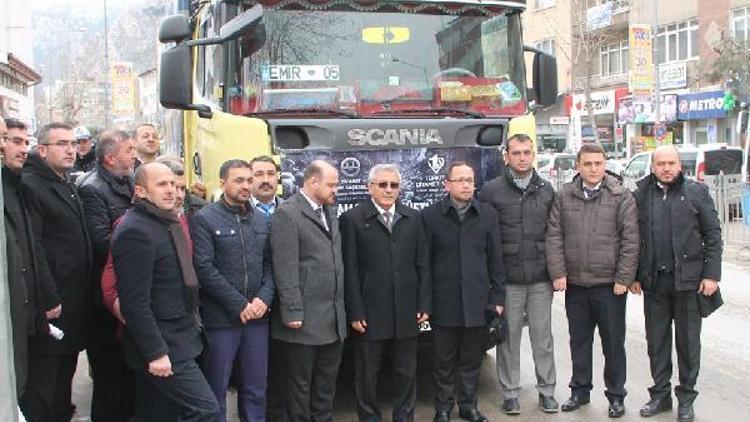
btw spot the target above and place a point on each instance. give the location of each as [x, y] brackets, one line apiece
[685, 412]
[656, 405]
[471, 415]
[574, 402]
[511, 407]
[616, 408]
[548, 404]
[442, 416]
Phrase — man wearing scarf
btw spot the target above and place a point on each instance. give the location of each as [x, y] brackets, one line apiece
[158, 291]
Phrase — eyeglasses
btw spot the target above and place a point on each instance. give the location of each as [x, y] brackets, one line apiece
[64, 144]
[462, 180]
[384, 185]
[17, 141]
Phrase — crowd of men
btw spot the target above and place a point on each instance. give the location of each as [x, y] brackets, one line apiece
[172, 297]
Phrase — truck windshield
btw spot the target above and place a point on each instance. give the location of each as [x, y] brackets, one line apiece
[378, 64]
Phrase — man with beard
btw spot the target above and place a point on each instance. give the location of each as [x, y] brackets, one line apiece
[64, 257]
[106, 193]
[306, 248]
[232, 258]
[27, 288]
[158, 291]
[147, 143]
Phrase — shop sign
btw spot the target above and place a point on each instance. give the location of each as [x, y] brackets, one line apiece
[673, 75]
[703, 105]
[559, 120]
[600, 102]
[642, 110]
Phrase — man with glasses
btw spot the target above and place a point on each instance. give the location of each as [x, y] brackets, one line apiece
[388, 292]
[467, 285]
[65, 258]
[523, 200]
[25, 286]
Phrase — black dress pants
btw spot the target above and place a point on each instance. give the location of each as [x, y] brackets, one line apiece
[368, 357]
[276, 376]
[310, 381]
[114, 382]
[587, 308]
[48, 388]
[457, 359]
[662, 305]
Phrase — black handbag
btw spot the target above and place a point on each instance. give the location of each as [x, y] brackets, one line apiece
[708, 304]
[498, 328]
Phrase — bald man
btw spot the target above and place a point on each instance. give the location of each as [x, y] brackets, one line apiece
[680, 258]
[158, 292]
[308, 318]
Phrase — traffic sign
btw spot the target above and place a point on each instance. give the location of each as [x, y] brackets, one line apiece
[660, 131]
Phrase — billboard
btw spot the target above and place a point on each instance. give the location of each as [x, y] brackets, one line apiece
[641, 75]
[123, 89]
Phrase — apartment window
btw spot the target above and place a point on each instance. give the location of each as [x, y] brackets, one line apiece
[613, 59]
[548, 46]
[677, 41]
[741, 22]
[543, 4]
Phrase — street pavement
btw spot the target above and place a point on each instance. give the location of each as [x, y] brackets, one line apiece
[723, 384]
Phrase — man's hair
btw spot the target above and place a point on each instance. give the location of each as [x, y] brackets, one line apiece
[173, 162]
[518, 137]
[265, 159]
[454, 164]
[590, 149]
[43, 135]
[12, 123]
[135, 131]
[141, 176]
[109, 143]
[314, 169]
[377, 168]
[231, 164]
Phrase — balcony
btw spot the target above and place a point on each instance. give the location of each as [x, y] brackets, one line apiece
[619, 18]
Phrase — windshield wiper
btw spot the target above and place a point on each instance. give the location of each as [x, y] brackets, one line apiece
[312, 110]
[436, 111]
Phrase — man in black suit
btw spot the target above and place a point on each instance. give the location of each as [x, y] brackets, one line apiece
[158, 292]
[65, 258]
[388, 292]
[467, 281]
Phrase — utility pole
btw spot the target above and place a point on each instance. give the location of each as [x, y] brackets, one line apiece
[654, 43]
[107, 72]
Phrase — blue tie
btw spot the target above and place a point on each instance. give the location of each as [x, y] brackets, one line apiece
[267, 210]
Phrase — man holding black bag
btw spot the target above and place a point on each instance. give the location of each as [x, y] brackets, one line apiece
[467, 272]
[680, 255]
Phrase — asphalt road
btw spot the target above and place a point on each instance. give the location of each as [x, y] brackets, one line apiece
[723, 385]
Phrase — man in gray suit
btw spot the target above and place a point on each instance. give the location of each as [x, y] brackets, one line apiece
[309, 317]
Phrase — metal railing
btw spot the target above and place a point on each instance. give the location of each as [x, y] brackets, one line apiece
[731, 196]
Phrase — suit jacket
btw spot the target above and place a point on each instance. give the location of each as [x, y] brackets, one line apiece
[153, 296]
[387, 273]
[467, 263]
[309, 274]
[64, 256]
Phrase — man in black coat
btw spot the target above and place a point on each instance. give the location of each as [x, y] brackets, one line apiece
[158, 292]
[28, 290]
[680, 258]
[65, 257]
[467, 281]
[523, 201]
[106, 193]
[387, 288]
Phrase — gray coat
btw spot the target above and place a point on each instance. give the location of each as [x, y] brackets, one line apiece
[309, 275]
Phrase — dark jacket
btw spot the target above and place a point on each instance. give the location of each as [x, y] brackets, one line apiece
[593, 241]
[467, 263]
[64, 254]
[153, 296]
[523, 223]
[26, 287]
[232, 257]
[309, 275]
[387, 274]
[696, 234]
[105, 198]
[86, 163]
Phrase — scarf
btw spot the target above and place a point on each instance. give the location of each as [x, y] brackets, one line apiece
[521, 182]
[184, 257]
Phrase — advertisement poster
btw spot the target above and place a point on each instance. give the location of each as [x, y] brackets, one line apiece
[123, 88]
[633, 111]
[641, 76]
[422, 171]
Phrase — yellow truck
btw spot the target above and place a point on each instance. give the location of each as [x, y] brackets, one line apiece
[418, 83]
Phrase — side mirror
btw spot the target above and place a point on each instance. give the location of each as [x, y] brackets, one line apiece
[174, 28]
[175, 81]
[545, 78]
